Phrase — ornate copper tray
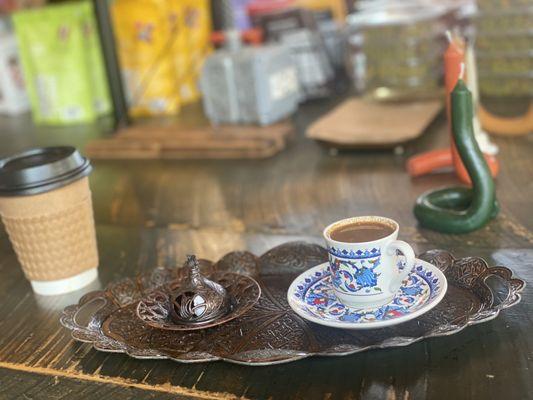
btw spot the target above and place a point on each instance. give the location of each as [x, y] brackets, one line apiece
[270, 332]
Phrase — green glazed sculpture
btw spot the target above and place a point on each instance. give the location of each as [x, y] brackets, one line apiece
[461, 209]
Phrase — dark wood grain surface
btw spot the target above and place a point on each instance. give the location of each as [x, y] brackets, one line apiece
[154, 212]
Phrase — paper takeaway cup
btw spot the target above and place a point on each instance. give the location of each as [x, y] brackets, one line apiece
[46, 207]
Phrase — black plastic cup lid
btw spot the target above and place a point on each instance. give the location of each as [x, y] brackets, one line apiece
[41, 170]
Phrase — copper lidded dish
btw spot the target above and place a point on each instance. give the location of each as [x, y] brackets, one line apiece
[195, 302]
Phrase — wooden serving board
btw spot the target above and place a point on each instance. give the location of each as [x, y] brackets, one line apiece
[362, 123]
[170, 142]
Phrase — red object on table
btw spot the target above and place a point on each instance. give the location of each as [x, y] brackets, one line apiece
[252, 36]
[433, 160]
[425, 163]
[428, 162]
[267, 6]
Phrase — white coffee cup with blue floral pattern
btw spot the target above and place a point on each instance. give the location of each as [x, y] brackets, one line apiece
[368, 274]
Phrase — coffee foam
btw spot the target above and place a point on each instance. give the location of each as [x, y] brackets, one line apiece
[361, 221]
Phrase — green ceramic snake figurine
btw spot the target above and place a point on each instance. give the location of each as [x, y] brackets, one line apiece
[461, 209]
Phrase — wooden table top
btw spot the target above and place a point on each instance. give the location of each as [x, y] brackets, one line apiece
[153, 213]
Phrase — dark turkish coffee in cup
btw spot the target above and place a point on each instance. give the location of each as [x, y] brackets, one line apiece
[364, 231]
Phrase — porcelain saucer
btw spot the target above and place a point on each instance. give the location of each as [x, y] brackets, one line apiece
[311, 297]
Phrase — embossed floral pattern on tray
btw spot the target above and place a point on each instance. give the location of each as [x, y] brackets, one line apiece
[271, 332]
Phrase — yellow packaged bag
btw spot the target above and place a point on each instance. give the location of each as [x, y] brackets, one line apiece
[193, 47]
[179, 52]
[145, 39]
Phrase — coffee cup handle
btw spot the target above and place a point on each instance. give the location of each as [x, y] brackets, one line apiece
[409, 255]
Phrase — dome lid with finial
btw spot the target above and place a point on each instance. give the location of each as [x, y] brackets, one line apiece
[198, 299]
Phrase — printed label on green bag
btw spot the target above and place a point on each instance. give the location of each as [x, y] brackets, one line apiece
[62, 63]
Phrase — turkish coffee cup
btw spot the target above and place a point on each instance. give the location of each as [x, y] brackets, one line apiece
[366, 269]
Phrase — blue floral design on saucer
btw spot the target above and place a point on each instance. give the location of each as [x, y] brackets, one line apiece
[311, 296]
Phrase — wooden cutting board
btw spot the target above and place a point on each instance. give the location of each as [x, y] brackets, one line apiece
[170, 142]
[361, 123]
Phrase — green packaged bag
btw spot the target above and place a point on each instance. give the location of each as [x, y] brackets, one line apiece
[98, 76]
[62, 63]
